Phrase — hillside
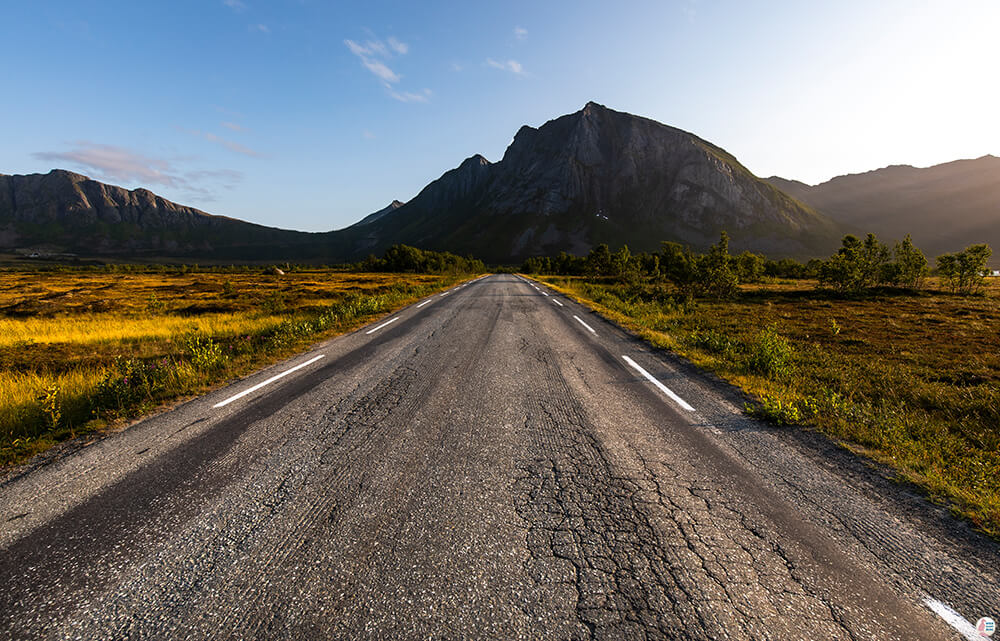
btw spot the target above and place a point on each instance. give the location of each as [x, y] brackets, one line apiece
[65, 212]
[944, 208]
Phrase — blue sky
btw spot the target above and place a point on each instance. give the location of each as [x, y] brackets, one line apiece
[309, 115]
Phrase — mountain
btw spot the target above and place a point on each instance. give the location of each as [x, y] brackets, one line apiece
[944, 208]
[599, 176]
[370, 218]
[594, 176]
[68, 213]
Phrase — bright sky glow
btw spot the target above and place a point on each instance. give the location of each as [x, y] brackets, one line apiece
[307, 114]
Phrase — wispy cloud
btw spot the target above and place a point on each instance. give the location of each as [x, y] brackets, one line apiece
[375, 55]
[399, 47]
[232, 126]
[235, 5]
[406, 96]
[520, 33]
[690, 9]
[368, 135]
[260, 28]
[381, 70]
[115, 164]
[232, 146]
[512, 66]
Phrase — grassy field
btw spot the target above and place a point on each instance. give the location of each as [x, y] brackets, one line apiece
[82, 350]
[909, 379]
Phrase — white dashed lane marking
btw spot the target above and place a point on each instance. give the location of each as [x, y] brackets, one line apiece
[660, 386]
[267, 382]
[589, 328]
[388, 322]
[954, 619]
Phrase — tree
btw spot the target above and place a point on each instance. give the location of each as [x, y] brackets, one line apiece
[599, 261]
[910, 265]
[749, 267]
[715, 272]
[857, 265]
[964, 272]
[678, 264]
[620, 263]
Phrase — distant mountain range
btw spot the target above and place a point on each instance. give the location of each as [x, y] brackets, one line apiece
[594, 176]
[64, 212]
[944, 208]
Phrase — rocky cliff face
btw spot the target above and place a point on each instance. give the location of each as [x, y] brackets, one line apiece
[602, 176]
[66, 212]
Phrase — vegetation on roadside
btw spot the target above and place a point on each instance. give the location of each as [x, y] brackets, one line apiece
[84, 349]
[896, 364]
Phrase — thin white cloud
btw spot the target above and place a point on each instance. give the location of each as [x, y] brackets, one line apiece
[520, 33]
[235, 5]
[110, 163]
[368, 54]
[230, 145]
[406, 96]
[512, 66]
[357, 49]
[260, 28]
[456, 67]
[399, 47]
[367, 135]
[228, 112]
[374, 55]
[234, 147]
[381, 70]
[232, 126]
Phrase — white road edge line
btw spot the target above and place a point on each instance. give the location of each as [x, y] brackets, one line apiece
[445, 294]
[556, 302]
[663, 388]
[954, 619]
[388, 322]
[267, 382]
[579, 320]
[424, 303]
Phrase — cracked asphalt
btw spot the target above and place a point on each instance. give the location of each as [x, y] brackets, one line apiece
[485, 468]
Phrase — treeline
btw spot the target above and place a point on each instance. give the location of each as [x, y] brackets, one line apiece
[859, 265]
[403, 258]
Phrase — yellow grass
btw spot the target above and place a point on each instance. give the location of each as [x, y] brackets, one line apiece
[80, 337]
[96, 328]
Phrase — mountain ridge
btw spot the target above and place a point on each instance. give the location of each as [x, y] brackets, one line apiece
[598, 175]
[944, 207]
[593, 176]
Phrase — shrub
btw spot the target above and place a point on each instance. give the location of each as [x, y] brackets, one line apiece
[772, 408]
[857, 265]
[206, 355]
[910, 266]
[127, 385]
[769, 354]
[964, 272]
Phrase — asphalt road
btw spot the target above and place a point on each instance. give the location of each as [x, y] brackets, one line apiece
[493, 463]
